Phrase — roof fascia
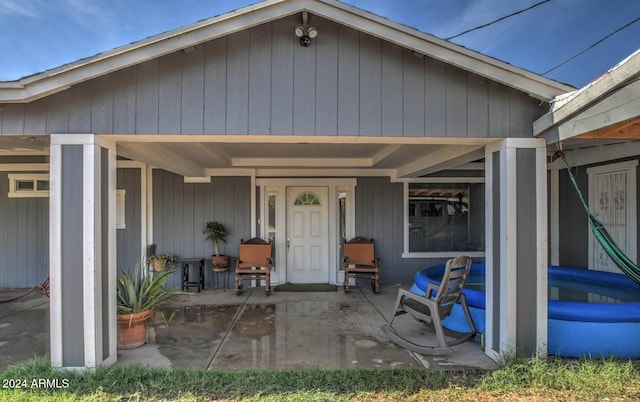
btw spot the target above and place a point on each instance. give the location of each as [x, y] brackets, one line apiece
[569, 105]
[56, 80]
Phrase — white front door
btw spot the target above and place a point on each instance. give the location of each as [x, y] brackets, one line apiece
[307, 235]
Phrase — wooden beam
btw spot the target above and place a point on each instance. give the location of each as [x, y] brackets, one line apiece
[626, 130]
[441, 158]
[162, 156]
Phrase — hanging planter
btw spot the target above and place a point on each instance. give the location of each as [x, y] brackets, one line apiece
[163, 262]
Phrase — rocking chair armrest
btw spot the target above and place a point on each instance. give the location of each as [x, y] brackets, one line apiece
[406, 293]
[430, 289]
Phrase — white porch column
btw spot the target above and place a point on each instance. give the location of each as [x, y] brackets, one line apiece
[82, 251]
[516, 247]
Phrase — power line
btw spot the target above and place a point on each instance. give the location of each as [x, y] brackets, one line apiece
[592, 45]
[498, 20]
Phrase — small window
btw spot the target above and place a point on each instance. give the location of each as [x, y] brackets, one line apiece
[307, 198]
[24, 185]
[271, 215]
[120, 209]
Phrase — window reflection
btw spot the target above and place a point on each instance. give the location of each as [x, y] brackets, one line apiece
[446, 217]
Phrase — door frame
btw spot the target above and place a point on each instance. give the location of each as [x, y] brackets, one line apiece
[279, 185]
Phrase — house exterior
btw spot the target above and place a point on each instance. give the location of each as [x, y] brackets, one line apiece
[373, 129]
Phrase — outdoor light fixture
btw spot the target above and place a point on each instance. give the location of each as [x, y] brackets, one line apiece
[305, 33]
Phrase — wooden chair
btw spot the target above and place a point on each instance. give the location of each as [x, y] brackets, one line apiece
[254, 262]
[360, 262]
[433, 307]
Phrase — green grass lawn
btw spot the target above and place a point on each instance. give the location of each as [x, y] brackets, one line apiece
[517, 379]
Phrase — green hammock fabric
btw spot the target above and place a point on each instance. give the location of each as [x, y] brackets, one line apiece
[623, 262]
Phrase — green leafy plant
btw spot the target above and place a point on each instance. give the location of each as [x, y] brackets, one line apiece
[216, 232]
[143, 290]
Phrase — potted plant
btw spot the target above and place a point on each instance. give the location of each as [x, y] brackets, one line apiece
[137, 294]
[162, 262]
[216, 232]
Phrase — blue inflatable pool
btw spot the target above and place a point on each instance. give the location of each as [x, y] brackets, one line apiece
[591, 313]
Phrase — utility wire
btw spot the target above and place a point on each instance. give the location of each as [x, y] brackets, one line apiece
[498, 20]
[592, 46]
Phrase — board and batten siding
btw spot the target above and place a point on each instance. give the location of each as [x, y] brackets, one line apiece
[24, 239]
[128, 240]
[181, 210]
[261, 81]
[24, 233]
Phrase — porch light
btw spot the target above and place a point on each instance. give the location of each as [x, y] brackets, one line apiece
[305, 34]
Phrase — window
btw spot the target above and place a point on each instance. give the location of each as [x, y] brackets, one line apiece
[271, 215]
[444, 218]
[307, 198]
[120, 209]
[25, 185]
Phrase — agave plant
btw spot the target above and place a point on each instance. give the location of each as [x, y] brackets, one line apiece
[143, 290]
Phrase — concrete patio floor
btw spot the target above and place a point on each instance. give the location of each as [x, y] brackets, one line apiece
[217, 330]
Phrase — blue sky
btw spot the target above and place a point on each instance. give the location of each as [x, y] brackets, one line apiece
[36, 35]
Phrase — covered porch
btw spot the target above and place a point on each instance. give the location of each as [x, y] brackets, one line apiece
[369, 179]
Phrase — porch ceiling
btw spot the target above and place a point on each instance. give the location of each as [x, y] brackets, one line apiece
[17, 145]
[197, 156]
[204, 156]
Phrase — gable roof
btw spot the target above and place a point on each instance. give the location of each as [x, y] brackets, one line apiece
[55, 80]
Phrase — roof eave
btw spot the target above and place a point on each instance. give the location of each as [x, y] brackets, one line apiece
[571, 104]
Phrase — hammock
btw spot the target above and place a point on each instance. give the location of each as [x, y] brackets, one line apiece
[623, 262]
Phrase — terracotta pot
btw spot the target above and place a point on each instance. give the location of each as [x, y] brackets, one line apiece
[132, 329]
[220, 261]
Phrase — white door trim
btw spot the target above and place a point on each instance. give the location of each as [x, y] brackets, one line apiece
[280, 186]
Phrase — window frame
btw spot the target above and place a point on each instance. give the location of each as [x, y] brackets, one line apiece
[14, 178]
[433, 254]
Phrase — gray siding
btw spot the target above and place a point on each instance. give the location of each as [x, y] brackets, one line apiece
[495, 202]
[261, 81]
[181, 211]
[527, 252]
[128, 240]
[72, 256]
[24, 235]
[574, 228]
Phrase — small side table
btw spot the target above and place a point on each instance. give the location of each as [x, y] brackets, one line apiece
[199, 282]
